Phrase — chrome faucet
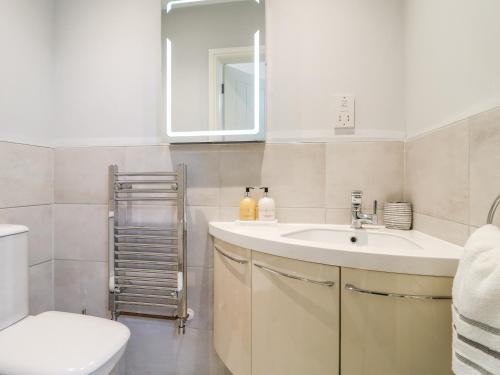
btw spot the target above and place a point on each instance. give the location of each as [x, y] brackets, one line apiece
[358, 217]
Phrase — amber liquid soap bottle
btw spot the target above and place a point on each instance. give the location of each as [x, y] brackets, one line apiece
[248, 206]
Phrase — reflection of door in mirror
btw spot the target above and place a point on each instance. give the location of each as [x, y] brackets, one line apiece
[231, 88]
[232, 34]
[237, 96]
[238, 99]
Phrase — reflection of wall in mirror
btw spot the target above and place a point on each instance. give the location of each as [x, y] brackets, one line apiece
[193, 31]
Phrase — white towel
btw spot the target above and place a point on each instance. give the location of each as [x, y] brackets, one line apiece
[476, 305]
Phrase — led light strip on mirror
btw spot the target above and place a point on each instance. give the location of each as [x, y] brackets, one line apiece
[207, 133]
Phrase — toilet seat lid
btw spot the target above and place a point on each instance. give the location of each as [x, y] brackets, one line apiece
[57, 343]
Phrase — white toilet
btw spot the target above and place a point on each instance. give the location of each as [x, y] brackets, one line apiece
[51, 343]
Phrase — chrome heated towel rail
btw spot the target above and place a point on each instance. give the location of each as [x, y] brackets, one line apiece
[147, 244]
[493, 209]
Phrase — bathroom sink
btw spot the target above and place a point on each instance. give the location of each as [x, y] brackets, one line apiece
[354, 237]
[371, 248]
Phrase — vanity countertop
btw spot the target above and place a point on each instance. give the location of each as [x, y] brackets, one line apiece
[375, 248]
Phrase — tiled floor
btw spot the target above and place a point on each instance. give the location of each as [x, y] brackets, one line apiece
[155, 348]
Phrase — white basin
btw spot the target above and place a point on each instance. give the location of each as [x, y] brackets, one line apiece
[357, 238]
[375, 248]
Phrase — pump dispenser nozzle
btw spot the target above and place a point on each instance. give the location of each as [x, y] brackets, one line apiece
[247, 190]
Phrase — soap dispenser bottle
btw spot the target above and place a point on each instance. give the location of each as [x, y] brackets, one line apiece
[266, 207]
[248, 206]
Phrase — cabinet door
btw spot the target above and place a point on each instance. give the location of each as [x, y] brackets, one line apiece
[295, 317]
[232, 296]
[390, 334]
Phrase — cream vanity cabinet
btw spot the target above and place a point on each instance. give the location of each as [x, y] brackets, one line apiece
[275, 315]
[395, 324]
[295, 317]
[232, 308]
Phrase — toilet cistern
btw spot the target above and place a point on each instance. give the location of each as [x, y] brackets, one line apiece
[358, 217]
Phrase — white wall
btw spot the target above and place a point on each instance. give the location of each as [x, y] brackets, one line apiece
[26, 70]
[108, 67]
[320, 48]
[108, 85]
[108, 73]
[452, 61]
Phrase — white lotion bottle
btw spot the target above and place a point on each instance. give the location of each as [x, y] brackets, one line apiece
[266, 207]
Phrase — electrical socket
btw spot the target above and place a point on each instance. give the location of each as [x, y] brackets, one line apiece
[345, 112]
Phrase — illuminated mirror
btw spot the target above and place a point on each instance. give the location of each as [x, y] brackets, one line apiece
[214, 70]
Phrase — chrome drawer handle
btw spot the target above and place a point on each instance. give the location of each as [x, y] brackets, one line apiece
[293, 276]
[355, 289]
[237, 260]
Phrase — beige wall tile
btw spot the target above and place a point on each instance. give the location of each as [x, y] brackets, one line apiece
[376, 168]
[472, 229]
[79, 285]
[82, 173]
[295, 174]
[343, 216]
[239, 167]
[202, 175]
[148, 159]
[81, 232]
[41, 288]
[39, 221]
[446, 230]
[437, 173]
[229, 213]
[284, 215]
[148, 215]
[301, 215]
[200, 297]
[26, 175]
[200, 147]
[338, 216]
[484, 165]
[199, 242]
